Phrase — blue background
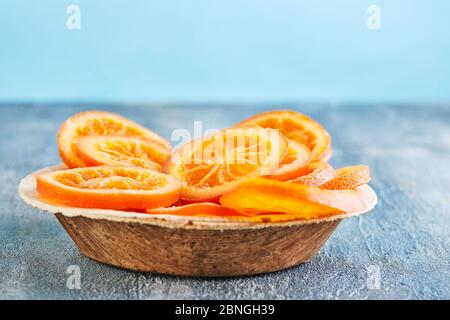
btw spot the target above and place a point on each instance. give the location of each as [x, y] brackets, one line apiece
[234, 50]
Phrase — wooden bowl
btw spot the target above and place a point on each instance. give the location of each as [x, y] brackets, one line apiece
[189, 246]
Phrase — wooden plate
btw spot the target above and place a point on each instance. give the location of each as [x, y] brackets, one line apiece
[190, 246]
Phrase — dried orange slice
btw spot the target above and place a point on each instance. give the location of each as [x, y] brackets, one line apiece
[348, 178]
[109, 187]
[122, 151]
[298, 127]
[201, 209]
[266, 195]
[365, 193]
[96, 123]
[212, 165]
[294, 162]
[317, 173]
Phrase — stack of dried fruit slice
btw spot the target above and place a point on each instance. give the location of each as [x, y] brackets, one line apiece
[271, 167]
[117, 165]
[97, 123]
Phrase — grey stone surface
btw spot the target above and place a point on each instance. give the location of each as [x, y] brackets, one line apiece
[406, 237]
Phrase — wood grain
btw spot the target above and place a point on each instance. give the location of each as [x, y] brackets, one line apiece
[194, 252]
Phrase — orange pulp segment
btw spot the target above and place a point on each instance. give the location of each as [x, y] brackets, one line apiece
[122, 151]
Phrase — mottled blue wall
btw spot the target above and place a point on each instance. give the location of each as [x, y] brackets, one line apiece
[234, 50]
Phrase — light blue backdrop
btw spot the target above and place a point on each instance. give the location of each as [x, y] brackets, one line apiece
[233, 50]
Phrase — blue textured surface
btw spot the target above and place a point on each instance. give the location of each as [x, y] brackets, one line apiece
[252, 50]
[407, 236]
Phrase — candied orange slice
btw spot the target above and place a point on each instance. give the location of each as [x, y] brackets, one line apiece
[201, 209]
[122, 151]
[348, 178]
[366, 194]
[212, 165]
[316, 174]
[298, 127]
[294, 162]
[96, 123]
[109, 187]
[266, 195]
